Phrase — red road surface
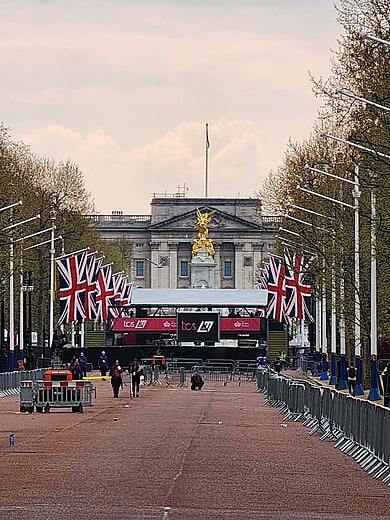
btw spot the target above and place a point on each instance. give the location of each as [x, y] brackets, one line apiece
[218, 454]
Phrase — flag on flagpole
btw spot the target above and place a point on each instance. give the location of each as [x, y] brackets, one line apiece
[207, 137]
[105, 292]
[72, 285]
[298, 300]
[276, 291]
[92, 271]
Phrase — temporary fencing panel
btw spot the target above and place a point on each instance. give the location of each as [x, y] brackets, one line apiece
[10, 381]
[55, 394]
[360, 428]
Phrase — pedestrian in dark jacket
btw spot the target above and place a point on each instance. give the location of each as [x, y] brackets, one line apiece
[386, 384]
[196, 381]
[76, 370]
[351, 378]
[116, 378]
[135, 373]
[103, 364]
[83, 363]
[277, 365]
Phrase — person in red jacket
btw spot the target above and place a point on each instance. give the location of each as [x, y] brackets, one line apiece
[158, 360]
[116, 378]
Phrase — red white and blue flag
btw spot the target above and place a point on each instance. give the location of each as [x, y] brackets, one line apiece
[298, 301]
[72, 279]
[126, 293]
[104, 292]
[92, 271]
[118, 281]
[276, 291]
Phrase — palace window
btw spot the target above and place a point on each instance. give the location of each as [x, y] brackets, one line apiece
[140, 268]
[184, 268]
[227, 268]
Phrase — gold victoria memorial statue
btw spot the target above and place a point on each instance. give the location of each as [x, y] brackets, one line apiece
[202, 242]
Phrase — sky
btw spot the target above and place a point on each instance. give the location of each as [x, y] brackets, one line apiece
[125, 87]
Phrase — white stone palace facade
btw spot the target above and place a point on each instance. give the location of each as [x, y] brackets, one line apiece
[161, 243]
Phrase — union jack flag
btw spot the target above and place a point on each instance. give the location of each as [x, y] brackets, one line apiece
[299, 293]
[118, 281]
[72, 284]
[263, 280]
[276, 291]
[126, 293]
[104, 292]
[92, 271]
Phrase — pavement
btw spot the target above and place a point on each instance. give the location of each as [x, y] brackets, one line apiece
[218, 454]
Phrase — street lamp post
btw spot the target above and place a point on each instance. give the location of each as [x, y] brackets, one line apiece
[22, 289]
[321, 318]
[369, 36]
[324, 340]
[355, 207]
[28, 288]
[324, 371]
[51, 292]
[11, 337]
[358, 359]
[351, 95]
[42, 244]
[333, 378]
[373, 393]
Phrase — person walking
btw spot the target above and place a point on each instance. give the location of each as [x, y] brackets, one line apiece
[158, 360]
[283, 360]
[116, 378]
[135, 373]
[386, 385]
[75, 368]
[351, 378]
[83, 363]
[103, 364]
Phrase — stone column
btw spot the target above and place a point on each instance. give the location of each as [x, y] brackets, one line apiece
[257, 248]
[154, 270]
[217, 259]
[172, 247]
[163, 260]
[238, 265]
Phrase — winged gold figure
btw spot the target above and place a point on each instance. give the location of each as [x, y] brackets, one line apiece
[202, 242]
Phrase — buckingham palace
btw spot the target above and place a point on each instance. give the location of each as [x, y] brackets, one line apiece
[160, 244]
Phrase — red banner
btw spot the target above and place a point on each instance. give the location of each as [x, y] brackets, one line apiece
[138, 325]
[240, 324]
[144, 325]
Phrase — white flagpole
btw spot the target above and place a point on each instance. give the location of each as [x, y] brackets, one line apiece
[207, 160]
[52, 279]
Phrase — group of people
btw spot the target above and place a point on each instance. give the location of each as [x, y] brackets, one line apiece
[116, 372]
[78, 366]
[278, 365]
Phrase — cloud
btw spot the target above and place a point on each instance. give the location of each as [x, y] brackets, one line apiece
[124, 88]
[121, 178]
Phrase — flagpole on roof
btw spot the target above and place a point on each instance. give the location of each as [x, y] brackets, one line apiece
[207, 161]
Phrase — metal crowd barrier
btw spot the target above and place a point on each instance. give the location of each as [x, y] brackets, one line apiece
[175, 377]
[10, 381]
[44, 395]
[359, 428]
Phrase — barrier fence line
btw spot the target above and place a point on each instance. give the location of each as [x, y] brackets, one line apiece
[10, 381]
[359, 428]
